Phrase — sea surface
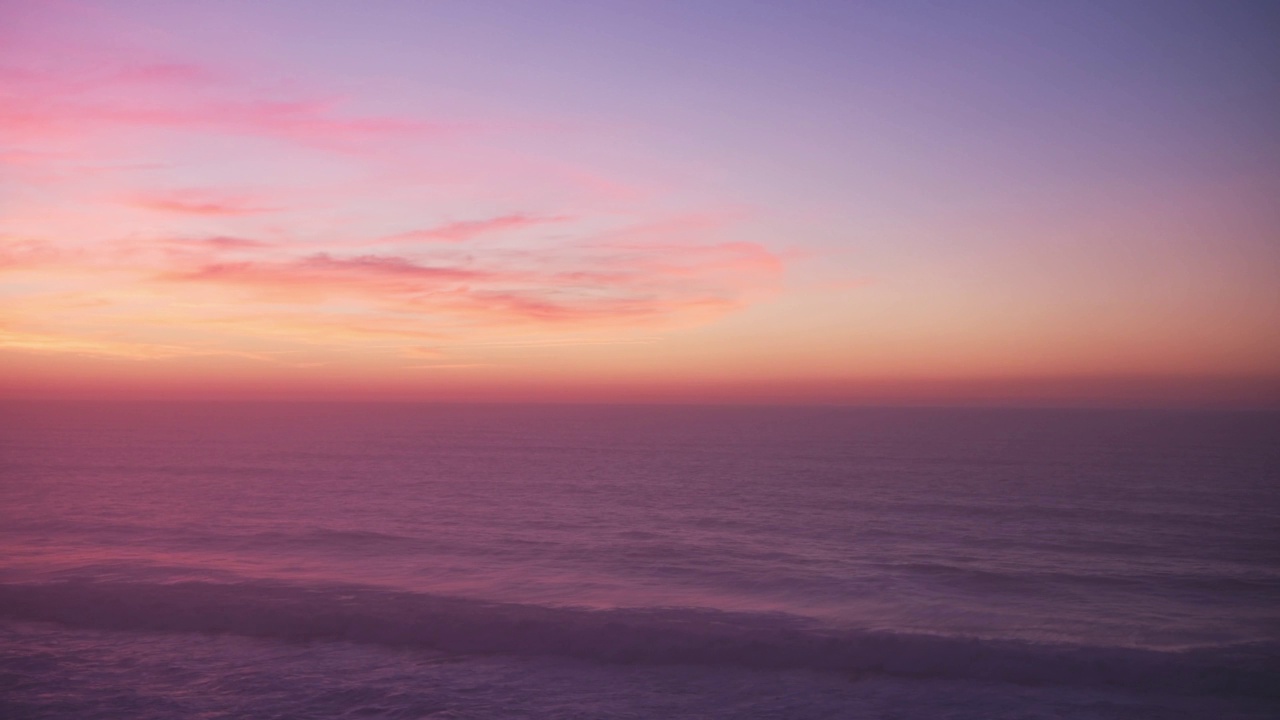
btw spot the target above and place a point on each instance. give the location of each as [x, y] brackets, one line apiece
[214, 560]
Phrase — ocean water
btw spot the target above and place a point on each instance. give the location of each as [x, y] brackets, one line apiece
[423, 561]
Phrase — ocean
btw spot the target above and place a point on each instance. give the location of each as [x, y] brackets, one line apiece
[226, 560]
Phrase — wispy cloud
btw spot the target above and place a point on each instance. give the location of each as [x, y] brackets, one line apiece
[222, 254]
[558, 284]
[36, 104]
[18, 253]
[221, 242]
[469, 229]
[326, 273]
[201, 202]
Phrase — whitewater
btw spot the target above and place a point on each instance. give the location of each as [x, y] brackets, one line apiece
[173, 560]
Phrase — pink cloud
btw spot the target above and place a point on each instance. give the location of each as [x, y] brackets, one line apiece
[676, 248]
[322, 275]
[18, 254]
[199, 202]
[555, 285]
[382, 266]
[328, 277]
[468, 229]
[543, 307]
[222, 242]
[38, 105]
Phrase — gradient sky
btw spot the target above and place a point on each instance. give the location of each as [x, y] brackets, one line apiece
[1044, 202]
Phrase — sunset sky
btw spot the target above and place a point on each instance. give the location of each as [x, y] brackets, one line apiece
[727, 201]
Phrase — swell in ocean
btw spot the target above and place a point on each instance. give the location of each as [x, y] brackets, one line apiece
[694, 636]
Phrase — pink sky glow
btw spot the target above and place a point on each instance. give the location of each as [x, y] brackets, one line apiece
[639, 202]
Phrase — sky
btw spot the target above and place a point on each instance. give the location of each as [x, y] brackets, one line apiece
[641, 201]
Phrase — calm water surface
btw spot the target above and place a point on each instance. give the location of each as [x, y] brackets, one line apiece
[169, 560]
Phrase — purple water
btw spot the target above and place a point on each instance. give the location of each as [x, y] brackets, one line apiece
[177, 560]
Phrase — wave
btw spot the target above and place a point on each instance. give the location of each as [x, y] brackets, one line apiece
[650, 636]
[1027, 580]
[343, 539]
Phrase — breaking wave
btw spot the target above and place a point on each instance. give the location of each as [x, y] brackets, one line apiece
[650, 636]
